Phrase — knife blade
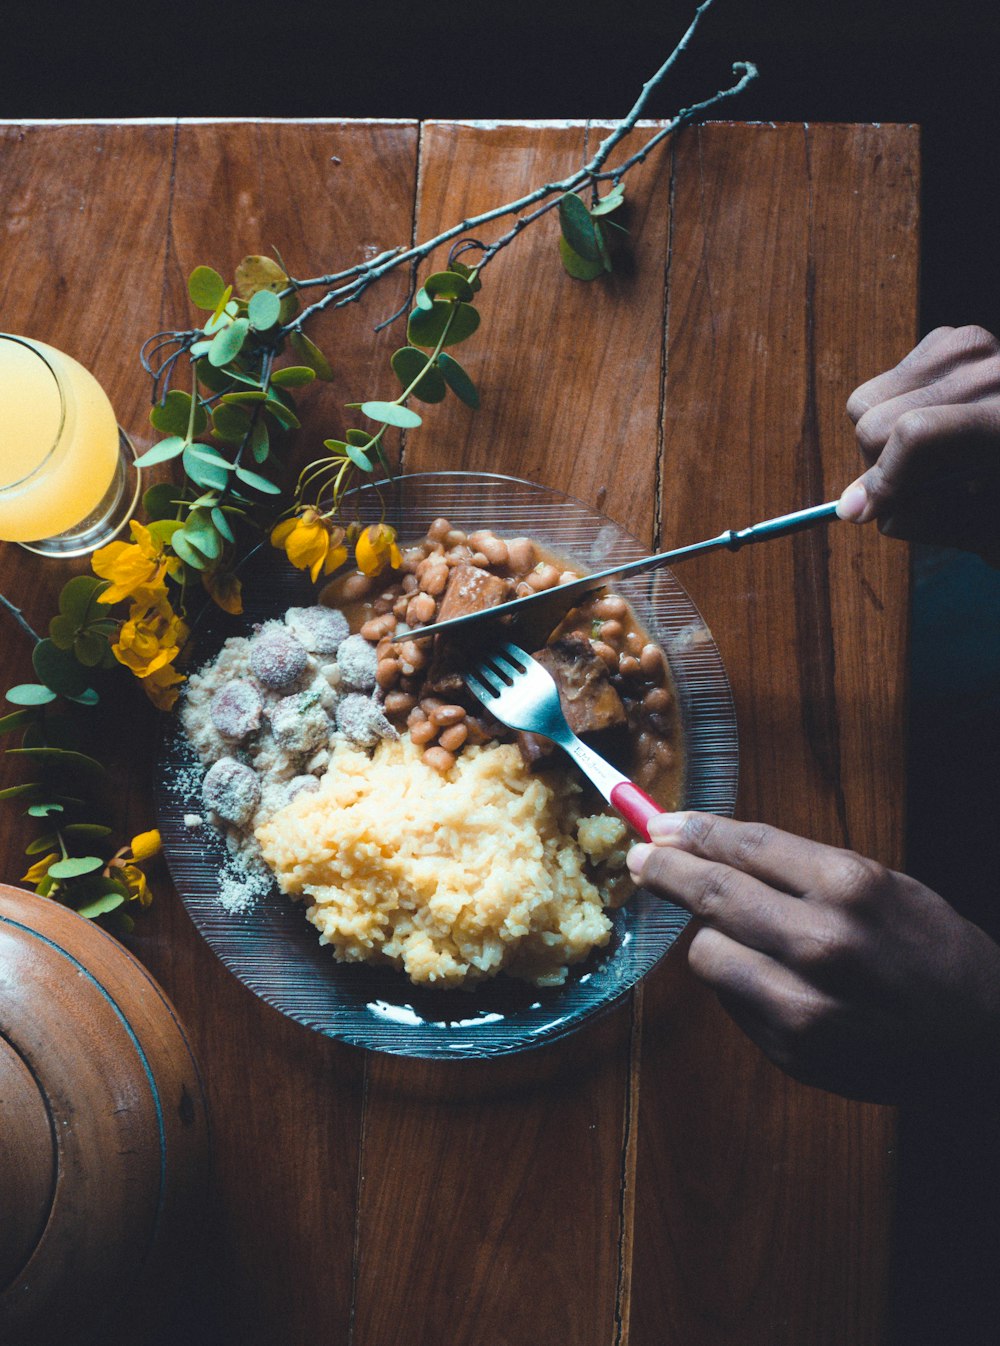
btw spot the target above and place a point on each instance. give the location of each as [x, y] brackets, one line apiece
[551, 605]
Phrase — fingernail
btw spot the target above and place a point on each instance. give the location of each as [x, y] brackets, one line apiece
[853, 503]
[636, 858]
[665, 826]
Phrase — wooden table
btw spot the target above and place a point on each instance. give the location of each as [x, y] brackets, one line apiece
[652, 1180]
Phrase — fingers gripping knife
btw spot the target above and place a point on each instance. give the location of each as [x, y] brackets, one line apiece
[521, 694]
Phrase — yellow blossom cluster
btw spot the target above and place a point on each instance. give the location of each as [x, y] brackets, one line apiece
[152, 636]
[313, 543]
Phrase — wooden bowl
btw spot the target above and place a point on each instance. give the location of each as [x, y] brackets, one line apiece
[103, 1131]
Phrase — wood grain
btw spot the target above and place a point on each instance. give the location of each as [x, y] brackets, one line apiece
[651, 1179]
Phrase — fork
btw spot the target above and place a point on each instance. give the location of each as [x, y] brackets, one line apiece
[521, 694]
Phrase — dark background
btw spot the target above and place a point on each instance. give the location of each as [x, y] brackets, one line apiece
[936, 65]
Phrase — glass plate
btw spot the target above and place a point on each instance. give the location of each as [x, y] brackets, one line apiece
[275, 952]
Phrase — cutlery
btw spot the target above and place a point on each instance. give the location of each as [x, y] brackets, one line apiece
[521, 694]
[546, 609]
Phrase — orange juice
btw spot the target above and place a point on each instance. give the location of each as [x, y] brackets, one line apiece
[59, 441]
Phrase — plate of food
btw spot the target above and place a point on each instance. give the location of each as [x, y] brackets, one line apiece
[366, 849]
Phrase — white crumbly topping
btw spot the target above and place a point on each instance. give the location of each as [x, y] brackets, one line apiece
[263, 717]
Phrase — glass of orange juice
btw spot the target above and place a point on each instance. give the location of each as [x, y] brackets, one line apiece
[68, 482]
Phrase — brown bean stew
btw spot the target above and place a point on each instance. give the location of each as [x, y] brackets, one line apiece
[614, 680]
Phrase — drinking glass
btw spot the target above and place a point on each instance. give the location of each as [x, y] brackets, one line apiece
[68, 483]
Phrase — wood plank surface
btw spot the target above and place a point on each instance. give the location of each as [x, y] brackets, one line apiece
[651, 1179]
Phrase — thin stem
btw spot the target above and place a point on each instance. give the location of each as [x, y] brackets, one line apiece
[20, 618]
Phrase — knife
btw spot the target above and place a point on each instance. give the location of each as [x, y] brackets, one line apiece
[551, 605]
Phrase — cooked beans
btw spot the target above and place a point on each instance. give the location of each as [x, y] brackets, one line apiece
[657, 700]
[439, 530]
[439, 759]
[433, 576]
[354, 588]
[423, 731]
[607, 653]
[492, 547]
[521, 555]
[443, 716]
[611, 633]
[378, 627]
[544, 576]
[420, 610]
[651, 662]
[387, 673]
[628, 666]
[610, 606]
[453, 737]
[399, 703]
[634, 643]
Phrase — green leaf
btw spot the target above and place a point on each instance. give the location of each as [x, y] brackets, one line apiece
[88, 697]
[100, 906]
[462, 270]
[187, 552]
[447, 285]
[293, 376]
[205, 472]
[391, 413]
[230, 421]
[458, 380]
[409, 364]
[256, 273]
[78, 596]
[264, 310]
[578, 229]
[426, 328]
[61, 757]
[17, 719]
[62, 631]
[200, 530]
[258, 482]
[359, 437]
[222, 525]
[160, 501]
[215, 380]
[173, 415]
[282, 413]
[43, 810]
[58, 669]
[576, 265]
[260, 441]
[311, 355]
[30, 694]
[89, 648]
[228, 343]
[95, 831]
[206, 287]
[164, 529]
[161, 452]
[30, 790]
[423, 300]
[74, 866]
[612, 201]
[358, 458]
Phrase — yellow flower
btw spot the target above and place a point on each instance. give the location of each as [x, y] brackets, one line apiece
[145, 845]
[40, 868]
[136, 569]
[376, 548]
[311, 542]
[150, 639]
[224, 589]
[161, 686]
[138, 888]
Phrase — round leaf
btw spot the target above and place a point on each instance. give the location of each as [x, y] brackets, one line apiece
[359, 437]
[427, 328]
[61, 758]
[17, 719]
[228, 343]
[43, 810]
[58, 669]
[447, 285]
[357, 457]
[89, 648]
[212, 473]
[222, 525]
[161, 452]
[201, 533]
[160, 501]
[458, 380]
[264, 310]
[577, 266]
[578, 228]
[391, 413]
[611, 202]
[293, 376]
[100, 906]
[77, 597]
[310, 354]
[30, 694]
[172, 416]
[88, 697]
[74, 866]
[206, 287]
[230, 421]
[410, 364]
[423, 300]
[187, 552]
[260, 443]
[256, 273]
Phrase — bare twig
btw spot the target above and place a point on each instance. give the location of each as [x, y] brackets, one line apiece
[20, 618]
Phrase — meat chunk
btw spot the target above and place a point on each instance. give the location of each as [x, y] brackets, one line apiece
[589, 701]
[470, 589]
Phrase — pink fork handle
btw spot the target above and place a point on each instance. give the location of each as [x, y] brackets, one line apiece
[635, 806]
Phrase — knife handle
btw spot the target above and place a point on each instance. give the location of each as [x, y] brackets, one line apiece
[635, 806]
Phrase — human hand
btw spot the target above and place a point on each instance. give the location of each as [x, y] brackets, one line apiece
[930, 431]
[847, 975]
